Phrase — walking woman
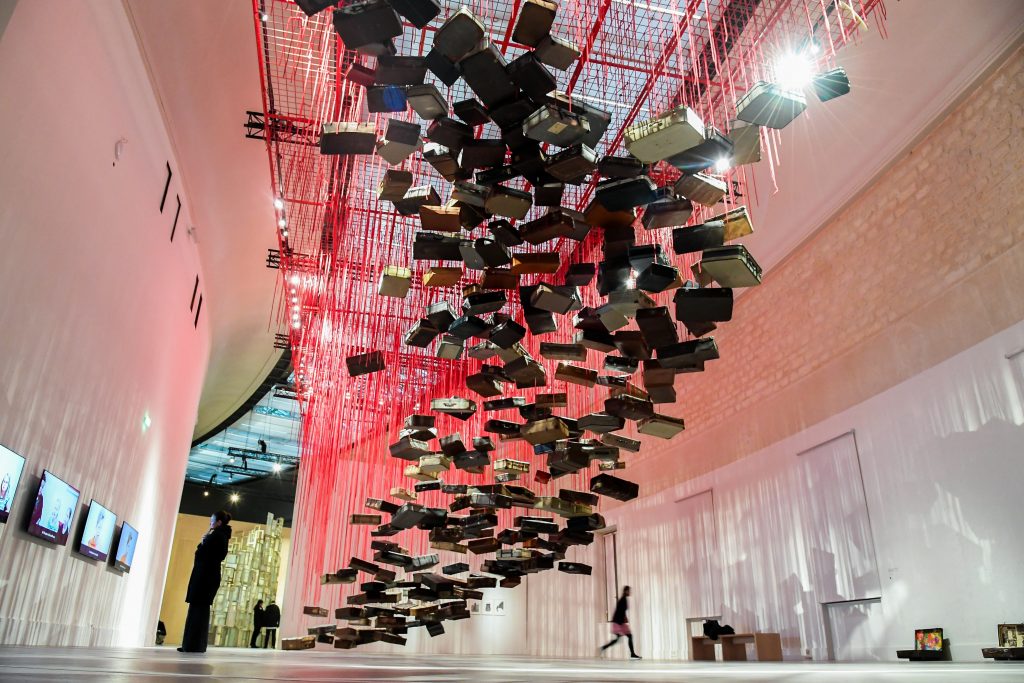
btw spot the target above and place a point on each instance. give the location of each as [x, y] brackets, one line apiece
[204, 583]
[620, 624]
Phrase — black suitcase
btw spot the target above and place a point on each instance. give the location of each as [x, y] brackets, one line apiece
[386, 99]
[703, 305]
[687, 352]
[626, 366]
[698, 237]
[539, 321]
[614, 487]
[378, 49]
[418, 12]
[631, 344]
[573, 163]
[557, 126]
[467, 326]
[716, 146]
[528, 73]
[471, 111]
[431, 246]
[394, 185]
[402, 132]
[447, 131]
[770, 105]
[366, 21]
[580, 274]
[509, 202]
[348, 138]
[612, 276]
[496, 175]
[485, 73]
[442, 67]
[422, 334]
[485, 302]
[621, 167]
[657, 277]
[831, 84]
[471, 194]
[548, 194]
[442, 314]
[443, 161]
[627, 193]
[459, 35]
[557, 52]
[731, 266]
[507, 333]
[363, 75]
[628, 407]
[553, 299]
[416, 197]
[505, 233]
[482, 153]
[426, 101]
[642, 255]
[597, 119]
[509, 117]
[656, 326]
[601, 423]
[313, 7]
[548, 227]
[667, 213]
[535, 19]
[365, 363]
[400, 70]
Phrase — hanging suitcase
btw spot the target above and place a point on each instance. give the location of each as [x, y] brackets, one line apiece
[614, 487]
[548, 194]
[557, 52]
[736, 223]
[534, 22]
[701, 188]
[597, 119]
[580, 274]
[627, 193]
[666, 135]
[442, 276]
[366, 21]
[831, 84]
[543, 262]
[394, 185]
[446, 131]
[621, 167]
[418, 12]
[731, 266]
[348, 138]
[630, 344]
[460, 34]
[576, 375]
[698, 237]
[686, 352]
[657, 277]
[444, 162]
[661, 426]
[471, 111]
[715, 148]
[422, 334]
[573, 163]
[442, 67]
[384, 99]
[656, 326]
[429, 246]
[363, 75]
[746, 144]
[769, 105]
[628, 407]
[555, 125]
[527, 72]
[400, 70]
[509, 202]
[499, 278]
[601, 423]
[450, 347]
[482, 153]
[460, 408]
[365, 363]
[395, 282]
[509, 117]
[506, 334]
[440, 218]
[505, 233]
[667, 213]
[314, 7]
[470, 193]
[485, 73]
[554, 299]
[426, 101]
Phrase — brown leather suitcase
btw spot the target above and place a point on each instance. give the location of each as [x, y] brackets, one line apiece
[535, 20]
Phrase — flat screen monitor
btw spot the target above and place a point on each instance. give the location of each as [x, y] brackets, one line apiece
[98, 533]
[54, 509]
[11, 467]
[126, 547]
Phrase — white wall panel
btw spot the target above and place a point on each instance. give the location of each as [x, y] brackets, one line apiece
[97, 330]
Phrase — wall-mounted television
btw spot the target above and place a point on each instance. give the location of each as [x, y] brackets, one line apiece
[54, 509]
[11, 467]
[126, 547]
[98, 533]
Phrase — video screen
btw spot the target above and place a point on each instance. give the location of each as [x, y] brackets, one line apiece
[98, 533]
[54, 509]
[11, 467]
[126, 547]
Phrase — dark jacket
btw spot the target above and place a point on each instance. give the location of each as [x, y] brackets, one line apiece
[205, 579]
[619, 617]
[259, 617]
[272, 616]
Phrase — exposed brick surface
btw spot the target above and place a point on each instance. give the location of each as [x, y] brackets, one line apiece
[926, 262]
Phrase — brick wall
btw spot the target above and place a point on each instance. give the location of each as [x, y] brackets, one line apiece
[925, 263]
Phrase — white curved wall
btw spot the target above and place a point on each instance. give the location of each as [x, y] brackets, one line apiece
[95, 317]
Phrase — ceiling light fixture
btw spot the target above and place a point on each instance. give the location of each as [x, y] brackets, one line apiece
[278, 203]
[723, 165]
[794, 71]
[234, 497]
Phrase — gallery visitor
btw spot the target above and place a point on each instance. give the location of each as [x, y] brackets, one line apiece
[271, 622]
[258, 621]
[620, 624]
[204, 582]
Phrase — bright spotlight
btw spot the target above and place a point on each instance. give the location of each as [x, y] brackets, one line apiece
[295, 279]
[278, 203]
[282, 223]
[723, 165]
[277, 467]
[234, 497]
[296, 324]
[794, 71]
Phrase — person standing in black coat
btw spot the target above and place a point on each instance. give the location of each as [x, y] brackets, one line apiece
[271, 621]
[204, 582]
[620, 624]
[258, 620]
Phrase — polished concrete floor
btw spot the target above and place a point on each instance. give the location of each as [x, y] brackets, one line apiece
[160, 665]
